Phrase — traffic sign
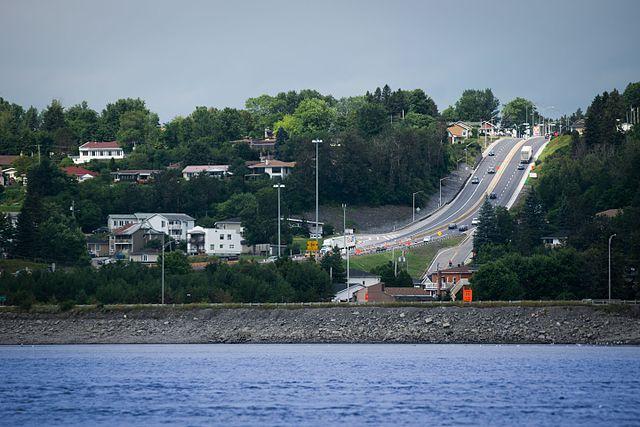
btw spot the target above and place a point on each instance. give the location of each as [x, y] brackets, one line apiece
[467, 295]
[312, 245]
[439, 233]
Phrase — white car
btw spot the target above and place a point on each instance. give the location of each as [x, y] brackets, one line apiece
[426, 239]
[475, 221]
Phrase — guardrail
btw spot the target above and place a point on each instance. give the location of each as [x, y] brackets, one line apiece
[613, 301]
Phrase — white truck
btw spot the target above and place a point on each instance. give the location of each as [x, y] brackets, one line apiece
[338, 242]
[525, 154]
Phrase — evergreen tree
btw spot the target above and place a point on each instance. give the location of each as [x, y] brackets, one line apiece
[6, 234]
[486, 233]
[331, 262]
[531, 223]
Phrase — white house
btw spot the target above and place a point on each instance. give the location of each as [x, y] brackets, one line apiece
[230, 224]
[273, 168]
[458, 132]
[214, 241]
[217, 171]
[174, 225]
[94, 150]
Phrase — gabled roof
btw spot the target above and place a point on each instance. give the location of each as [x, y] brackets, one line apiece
[230, 221]
[272, 163]
[78, 171]
[177, 217]
[6, 160]
[96, 144]
[136, 172]
[461, 269]
[205, 168]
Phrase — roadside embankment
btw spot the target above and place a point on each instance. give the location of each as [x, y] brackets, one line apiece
[563, 324]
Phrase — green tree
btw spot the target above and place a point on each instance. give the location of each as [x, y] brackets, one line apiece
[331, 263]
[476, 105]
[516, 112]
[175, 262]
[496, 281]
[487, 232]
[531, 224]
[53, 117]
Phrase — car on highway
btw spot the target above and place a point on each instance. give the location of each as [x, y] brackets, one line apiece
[475, 221]
[521, 167]
[475, 180]
[426, 239]
[491, 170]
[491, 153]
[493, 196]
[453, 226]
[463, 227]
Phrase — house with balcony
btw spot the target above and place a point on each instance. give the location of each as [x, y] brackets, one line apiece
[216, 171]
[131, 238]
[450, 280]
[214, 241]
[272, 167]
[94, 150]
[174, 225]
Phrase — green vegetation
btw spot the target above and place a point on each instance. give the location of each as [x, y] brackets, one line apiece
[120, 283]
[580, 177]
[418, 258]
[556, 147]
[13, 265]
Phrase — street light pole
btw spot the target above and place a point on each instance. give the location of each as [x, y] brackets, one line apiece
[278, 186]
[162, 268]
[610, 239]
[414, 205]
[344, 243]
[317, 142]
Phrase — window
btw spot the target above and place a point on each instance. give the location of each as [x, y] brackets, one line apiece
[212, 247]
[222, 237]
[228, 236]
[275, 170]
[145, 257]
[162, 224]
[221, 246]
[232, 246]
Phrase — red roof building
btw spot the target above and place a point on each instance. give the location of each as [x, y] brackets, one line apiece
[94, 150]
[81, 174]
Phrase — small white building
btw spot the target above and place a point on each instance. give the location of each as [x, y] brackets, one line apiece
[273, 168]
[94, 150]
[217, 171]
[214, 241]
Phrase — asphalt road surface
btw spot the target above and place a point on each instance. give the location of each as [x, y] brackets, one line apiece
[504, 183]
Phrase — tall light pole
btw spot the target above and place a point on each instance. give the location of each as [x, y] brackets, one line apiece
[317, 142]
[414, 205]
[344, 243]
[610, 239]
[278, 186]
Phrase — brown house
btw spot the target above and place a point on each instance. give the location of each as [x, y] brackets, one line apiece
[381, 293]
[458, 131]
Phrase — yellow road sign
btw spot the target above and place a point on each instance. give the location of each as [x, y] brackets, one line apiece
[439, 233]
[312, 245]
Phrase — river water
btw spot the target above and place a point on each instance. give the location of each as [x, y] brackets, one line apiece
[319, 385]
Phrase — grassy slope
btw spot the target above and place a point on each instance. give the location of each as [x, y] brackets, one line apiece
[13, 265]
[555, 145]
[418, 258]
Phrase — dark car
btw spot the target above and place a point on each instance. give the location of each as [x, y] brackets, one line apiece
[493, 196]
[463, 227]
[491, 153]
[453, 226]
[475, 180]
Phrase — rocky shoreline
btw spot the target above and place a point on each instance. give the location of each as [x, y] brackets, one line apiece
[351, 324]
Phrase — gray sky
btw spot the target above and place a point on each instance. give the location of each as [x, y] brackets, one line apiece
[179, 54]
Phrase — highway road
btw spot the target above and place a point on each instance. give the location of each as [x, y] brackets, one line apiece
[505, 183]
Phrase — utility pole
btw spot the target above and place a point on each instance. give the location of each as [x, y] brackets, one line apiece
[278, 186]
[317, 142]
[610, 239]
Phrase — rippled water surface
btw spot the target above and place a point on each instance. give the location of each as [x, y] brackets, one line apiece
[319, 385]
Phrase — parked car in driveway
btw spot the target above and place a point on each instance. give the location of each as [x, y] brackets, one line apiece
[475, 180]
